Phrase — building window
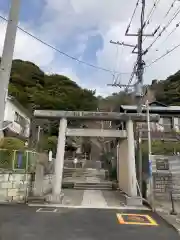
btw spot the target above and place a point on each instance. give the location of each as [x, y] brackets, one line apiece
[167, 123]
[20, 120]
[16, 117]
[177, 124]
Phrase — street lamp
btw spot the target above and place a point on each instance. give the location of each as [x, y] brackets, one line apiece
[150, 187]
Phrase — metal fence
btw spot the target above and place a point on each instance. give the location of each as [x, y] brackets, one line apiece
[16, 160]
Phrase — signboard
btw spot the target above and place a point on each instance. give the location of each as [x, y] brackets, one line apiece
[162, 183]
[162, 164]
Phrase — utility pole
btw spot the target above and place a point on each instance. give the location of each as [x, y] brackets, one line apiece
[7, 56]
[138, 71]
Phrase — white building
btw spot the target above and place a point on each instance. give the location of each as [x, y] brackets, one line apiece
[16, 119]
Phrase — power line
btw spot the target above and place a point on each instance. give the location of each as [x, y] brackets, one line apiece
[134, 12]
[166, 14]
[132, 76]
[172, 5]
[162, 56]
[173, 30]
[163, 29]
[63, 53]
[116, 77]
[115, 67]
[149, 17]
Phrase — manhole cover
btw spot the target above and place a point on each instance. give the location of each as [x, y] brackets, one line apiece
[47, 210]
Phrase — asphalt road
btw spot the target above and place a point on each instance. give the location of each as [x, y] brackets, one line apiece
[22, 222]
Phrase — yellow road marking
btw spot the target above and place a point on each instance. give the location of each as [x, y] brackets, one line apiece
[136, 219]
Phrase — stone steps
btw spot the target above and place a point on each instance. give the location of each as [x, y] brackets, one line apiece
[79, 172]
[93, 186]
[34, 199]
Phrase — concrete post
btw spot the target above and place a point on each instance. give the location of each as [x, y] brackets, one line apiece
[117, 149]
[7, 55]
[38, 184]
[132, 184]
[126, 163]
[59, 161]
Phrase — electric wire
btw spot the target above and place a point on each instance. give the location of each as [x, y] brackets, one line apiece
[166, 14]
[163, 55]
[163, 30]
[134, 12]
[61, 52]
[169, 35]
[150, 15]
[132, 76]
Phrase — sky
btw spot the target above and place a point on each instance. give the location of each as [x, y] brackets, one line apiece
[83, 29]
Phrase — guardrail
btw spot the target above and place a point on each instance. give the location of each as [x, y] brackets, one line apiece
[14, 160]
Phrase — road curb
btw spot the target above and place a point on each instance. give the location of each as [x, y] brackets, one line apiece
[169, 220]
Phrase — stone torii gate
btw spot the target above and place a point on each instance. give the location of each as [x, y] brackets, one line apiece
[126, 149]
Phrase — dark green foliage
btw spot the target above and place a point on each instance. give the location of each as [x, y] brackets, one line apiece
[161, 147]
[168, 91]
[36, 90]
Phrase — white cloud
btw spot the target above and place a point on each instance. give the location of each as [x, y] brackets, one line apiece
[110, 19]
[72, 22]
[27, 48]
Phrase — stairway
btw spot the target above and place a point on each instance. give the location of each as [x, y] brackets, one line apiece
[68, 172]
[93, 186]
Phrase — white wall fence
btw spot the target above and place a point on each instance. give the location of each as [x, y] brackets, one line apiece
[16, 160]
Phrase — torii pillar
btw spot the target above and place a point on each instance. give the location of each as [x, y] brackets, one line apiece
[126, 166]
[59, 161]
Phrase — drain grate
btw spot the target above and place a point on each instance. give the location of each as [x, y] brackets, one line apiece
[47, 210]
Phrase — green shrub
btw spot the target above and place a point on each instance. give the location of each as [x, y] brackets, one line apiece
[10, 150]
[11, 143]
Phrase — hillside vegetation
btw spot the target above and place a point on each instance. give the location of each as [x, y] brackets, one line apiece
[34, 89]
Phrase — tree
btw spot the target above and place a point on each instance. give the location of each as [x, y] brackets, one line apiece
[36, 90]
[168, 91]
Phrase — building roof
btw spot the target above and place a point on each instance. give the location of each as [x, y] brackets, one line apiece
[156, 103]
[154, 107]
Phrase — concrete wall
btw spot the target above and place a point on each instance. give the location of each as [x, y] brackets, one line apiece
[47, 183]
[14, 187]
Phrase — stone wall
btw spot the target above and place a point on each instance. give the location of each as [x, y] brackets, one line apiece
[15, 187]
[47, 183]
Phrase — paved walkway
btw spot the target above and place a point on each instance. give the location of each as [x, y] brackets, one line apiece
[93, 198]
[25, 223]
